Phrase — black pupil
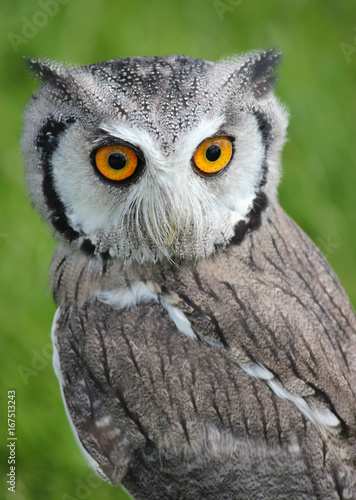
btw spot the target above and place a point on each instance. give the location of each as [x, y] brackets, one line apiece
[117, 161]
[213, 153]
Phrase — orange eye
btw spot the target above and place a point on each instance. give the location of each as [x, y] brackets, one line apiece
[213, 155]
[116, 163]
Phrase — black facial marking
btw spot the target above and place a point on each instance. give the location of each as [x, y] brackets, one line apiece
[47, 140]
[242, 228]
[240, 232]
[259, 205]
[87, 247]
[265, 128]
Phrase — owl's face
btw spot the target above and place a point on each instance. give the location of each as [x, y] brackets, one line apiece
[148, 158]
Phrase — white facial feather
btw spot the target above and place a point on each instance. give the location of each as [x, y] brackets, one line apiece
[170, 197]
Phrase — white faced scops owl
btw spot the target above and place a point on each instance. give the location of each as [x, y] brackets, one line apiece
[204, 347]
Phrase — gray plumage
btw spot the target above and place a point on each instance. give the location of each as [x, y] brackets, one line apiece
[205, 348]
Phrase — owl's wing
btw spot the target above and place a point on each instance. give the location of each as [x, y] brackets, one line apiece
[101, 441]
[171, 418]
[274, 307]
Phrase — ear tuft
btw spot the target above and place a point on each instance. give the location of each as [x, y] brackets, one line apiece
[44, 69]
[259, 71]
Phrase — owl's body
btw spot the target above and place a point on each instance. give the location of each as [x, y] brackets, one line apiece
[205, 349]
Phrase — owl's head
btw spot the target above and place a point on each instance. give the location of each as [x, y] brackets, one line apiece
[154, 157]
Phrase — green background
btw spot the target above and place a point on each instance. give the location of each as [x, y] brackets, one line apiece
[318, 188]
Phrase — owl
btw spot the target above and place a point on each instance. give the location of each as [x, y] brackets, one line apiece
[204, 347]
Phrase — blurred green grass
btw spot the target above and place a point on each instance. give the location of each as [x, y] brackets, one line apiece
[318, 187]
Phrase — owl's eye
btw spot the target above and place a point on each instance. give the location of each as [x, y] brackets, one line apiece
[213, 155]
[116, 163]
